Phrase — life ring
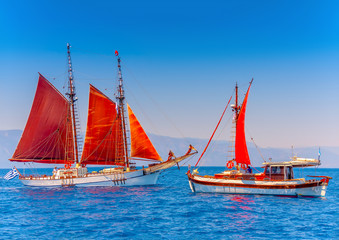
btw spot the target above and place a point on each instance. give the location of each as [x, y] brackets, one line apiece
[68, 165]
[243, 166]
[230, 164]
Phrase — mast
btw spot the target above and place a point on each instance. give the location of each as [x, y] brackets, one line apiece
[241, 151]
[71, 95]
[235, 108]
[121, 103]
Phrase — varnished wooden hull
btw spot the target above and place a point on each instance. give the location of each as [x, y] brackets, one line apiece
[297, 187]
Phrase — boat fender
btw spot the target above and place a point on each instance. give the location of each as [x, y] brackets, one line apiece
[68, 165]
[230, 164]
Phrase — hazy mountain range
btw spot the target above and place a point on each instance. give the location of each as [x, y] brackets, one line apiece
[216, 155]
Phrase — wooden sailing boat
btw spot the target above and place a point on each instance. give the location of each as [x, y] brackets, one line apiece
[277, 178]
[52, 131]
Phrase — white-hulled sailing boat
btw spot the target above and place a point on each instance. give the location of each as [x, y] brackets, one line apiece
[277, 178]
[51, 136]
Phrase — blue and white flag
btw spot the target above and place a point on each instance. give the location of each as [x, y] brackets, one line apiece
[11, 174]
[319, 154]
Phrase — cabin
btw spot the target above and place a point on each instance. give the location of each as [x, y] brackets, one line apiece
[278, 171]
[284, 170]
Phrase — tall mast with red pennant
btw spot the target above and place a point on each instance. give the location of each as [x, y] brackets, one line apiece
[241, 152]
[103, 141]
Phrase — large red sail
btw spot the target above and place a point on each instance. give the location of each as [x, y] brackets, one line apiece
[47, 137]
[241, 153]
[141, 145]
[104, 140]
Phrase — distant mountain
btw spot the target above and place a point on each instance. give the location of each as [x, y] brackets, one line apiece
[216, 155]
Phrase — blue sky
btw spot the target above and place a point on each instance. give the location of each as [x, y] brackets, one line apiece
[181, 60]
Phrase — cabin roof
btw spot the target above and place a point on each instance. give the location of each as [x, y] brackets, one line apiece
[295, 162]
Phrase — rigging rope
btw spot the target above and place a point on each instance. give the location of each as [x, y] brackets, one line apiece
[256, 146]
[258, 149]
[213, 132]
[160, 109]
[214, 143]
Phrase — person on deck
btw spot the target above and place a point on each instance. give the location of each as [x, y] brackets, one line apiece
[238, 168]
[249, 169]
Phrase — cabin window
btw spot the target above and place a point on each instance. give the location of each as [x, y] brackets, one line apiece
[276, 170]
[277, 173]
[289, 174]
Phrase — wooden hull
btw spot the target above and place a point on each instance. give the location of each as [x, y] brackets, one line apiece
[133, 178]
[295, 187]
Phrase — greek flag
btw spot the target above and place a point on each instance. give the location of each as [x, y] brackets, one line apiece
[319, 154]
[11, 174]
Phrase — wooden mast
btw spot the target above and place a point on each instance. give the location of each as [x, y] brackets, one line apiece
[235, 109]
[120, 98]
[239, 110]
[72, 99]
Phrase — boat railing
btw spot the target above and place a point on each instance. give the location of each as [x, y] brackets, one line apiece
[36, 176]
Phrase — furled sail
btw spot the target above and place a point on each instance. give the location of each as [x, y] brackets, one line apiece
[47, 137]
[241, 153]
[104, 140]
[141, 145]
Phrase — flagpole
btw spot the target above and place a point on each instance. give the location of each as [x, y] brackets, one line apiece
[18, 171]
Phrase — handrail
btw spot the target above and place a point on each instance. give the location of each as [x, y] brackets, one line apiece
[320, 177]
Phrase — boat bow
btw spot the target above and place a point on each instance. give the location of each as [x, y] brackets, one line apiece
[171, 161]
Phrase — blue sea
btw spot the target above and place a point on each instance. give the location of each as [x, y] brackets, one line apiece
[168, 210]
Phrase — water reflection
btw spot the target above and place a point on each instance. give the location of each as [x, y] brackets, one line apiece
[241, 214]
[46, 193]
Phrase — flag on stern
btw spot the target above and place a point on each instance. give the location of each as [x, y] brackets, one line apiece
[11, 174]
[319, 154]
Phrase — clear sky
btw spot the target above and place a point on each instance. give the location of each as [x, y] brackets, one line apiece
[180, 62]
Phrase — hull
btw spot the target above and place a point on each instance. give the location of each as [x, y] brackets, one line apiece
[296, 187]
[133, 178]
[79, 176]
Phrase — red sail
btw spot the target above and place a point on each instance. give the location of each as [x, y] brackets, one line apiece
[241, 153]
[47, 137]
[141, 145]
[104, 140]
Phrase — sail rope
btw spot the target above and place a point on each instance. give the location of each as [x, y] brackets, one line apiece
[159, 109]
[103, 141]
[213, 144]
[258, 149]
[256, 146]
[33, 169]
[37, 146]
[143, 112]
[202, 154]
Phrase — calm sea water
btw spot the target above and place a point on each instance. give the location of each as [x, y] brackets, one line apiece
[168, 210]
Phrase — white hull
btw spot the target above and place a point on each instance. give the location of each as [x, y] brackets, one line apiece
[79, 176]
[281, 188]
[132, 178]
